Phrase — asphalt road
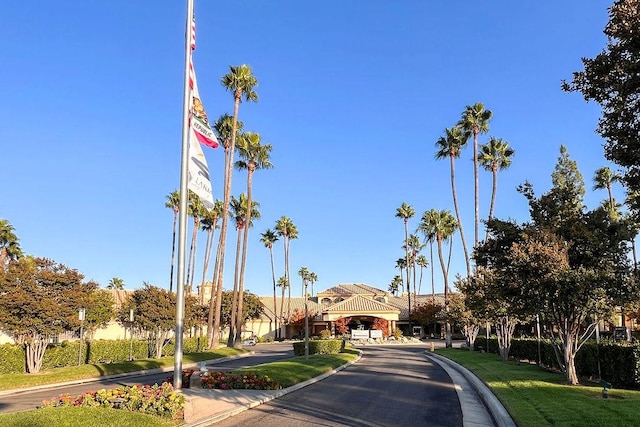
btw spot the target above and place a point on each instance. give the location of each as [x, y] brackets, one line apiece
[389, 386]
[21, 401]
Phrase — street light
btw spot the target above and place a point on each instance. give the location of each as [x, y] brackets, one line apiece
[131, 334]
[81, 314]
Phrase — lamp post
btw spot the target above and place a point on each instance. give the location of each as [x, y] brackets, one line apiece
[306, 322]
[131, 334]
[81, 314]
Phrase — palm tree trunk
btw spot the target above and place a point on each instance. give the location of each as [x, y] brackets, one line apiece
[173, 249]
[476, 188]
[196, 226]
[207, 258]
[406, 251]
[455, 205]
[286, 267]
[494, 189]
[448, 343]
[433, 282]
[282, 310]
[215, 304]
[275, 310]
[247, 225]
[234, 304]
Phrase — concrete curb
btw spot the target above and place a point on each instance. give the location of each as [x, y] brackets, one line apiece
[116, 376]
[497, 411]
[258, 399]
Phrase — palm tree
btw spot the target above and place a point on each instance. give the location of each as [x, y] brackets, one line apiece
[288, 231]
[604, 178]
[444, 225]
[494, 156]
[241, 82]
[9, 243]
[449, 146]
[224, 127]
[414, 248]
[304, 275]
[116, 283]
[406, 212]
[209, 223]
[422, 262]
[283, 284]
[401, 264]
[195, 210]
[173, 202]
[313, 278]
[395, 285]
[426, 226]
[239, 208]
[268, 238]
[474, 121]
[253, 156]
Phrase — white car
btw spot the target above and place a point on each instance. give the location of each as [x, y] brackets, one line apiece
[249, 341]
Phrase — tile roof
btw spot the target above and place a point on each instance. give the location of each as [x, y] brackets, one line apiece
[358, 303]
[402, 302]
[351, 289]
[296, 303]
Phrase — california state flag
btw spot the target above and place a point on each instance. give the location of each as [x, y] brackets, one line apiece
[199, 122]
[198, 180]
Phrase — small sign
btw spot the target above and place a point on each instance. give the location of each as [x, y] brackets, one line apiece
[375, 333]
[357, 334]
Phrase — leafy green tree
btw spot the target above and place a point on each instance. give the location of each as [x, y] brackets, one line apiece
[173, 203]
[427, 315]
[494, 156]
[474, 121]
[611, 80]
[154, 314]
[465, 317]
[40, 299]
[9, 243]
[99, 311]
[268, 238]
[450, 146]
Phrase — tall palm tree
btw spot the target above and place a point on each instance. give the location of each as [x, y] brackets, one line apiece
[283, 284]
[253, 156]
[241, 82]
[401, 264]
[414, 249]
[422, 262]
[474, 121]
[444, 225]
[495, 155]
[405, 212]
[209, 223]
[9, 243]
[173, 202]
[268, 238]
[604, 178]
[195, 210]
[450, 146]
[288, 231]
[304, 275]
[313, 278]
[239, 208]
[395, 284]
[224, 127]
[426, 226]
[116, 283]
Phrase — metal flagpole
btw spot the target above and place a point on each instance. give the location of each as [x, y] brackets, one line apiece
[179, 332]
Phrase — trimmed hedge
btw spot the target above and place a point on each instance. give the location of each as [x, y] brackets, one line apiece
[619, 362]
[12, 357]
[319, 347]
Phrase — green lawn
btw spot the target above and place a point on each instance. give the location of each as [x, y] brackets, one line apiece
[52, 376]
[86, 417]
[535, 397]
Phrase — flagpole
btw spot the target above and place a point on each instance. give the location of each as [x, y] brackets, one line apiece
[184, 195]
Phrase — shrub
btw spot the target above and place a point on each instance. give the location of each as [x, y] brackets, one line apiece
[319, 347]
[160, 400]
[397, 334]
[229, 381]
[325, 334]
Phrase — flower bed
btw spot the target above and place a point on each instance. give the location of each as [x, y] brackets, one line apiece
[160, 400]
[229, 381]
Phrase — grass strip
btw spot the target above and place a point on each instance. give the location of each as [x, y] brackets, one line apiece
[52, 376]
[298, 369]
[86, 417]
[535, 397]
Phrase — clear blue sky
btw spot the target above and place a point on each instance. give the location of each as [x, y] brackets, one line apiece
[353, 96]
